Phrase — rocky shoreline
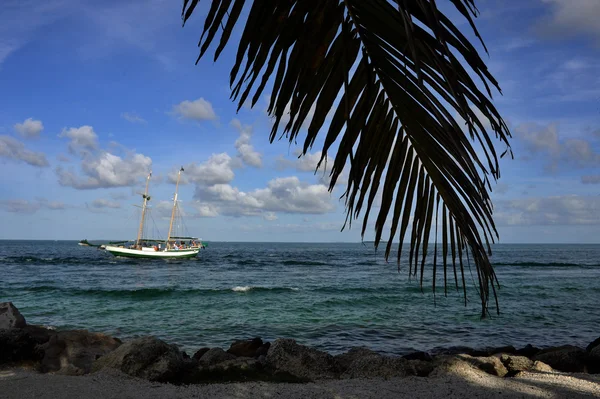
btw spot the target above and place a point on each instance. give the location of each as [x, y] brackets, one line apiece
[80, 352]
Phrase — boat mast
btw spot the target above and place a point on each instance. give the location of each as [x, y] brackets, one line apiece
[146, 198]
[174, 206]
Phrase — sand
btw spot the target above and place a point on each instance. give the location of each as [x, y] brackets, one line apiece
[23, 384]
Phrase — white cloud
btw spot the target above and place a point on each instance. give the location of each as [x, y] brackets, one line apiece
[132, 117]
[11, 148]
[29, 207]
[82, 138]
[29, 128]
[104, 203]
[106, 170]
[570, 18]
[555, 210]
[545, 141]
[245, 150]
[218, 169]
[270, 216]
[285, 195]
[198, 110]
[63, 158]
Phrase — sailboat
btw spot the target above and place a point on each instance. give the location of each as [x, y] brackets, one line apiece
[174, 247]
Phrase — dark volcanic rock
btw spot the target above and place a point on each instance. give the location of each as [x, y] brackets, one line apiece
[214, 356]
[299, 362]
[199, 353]
[263, 350]
[528, 351]
[73, 352]
[424, 356]
[452, 350]
[236, 369]
[566, 358]
[147, 357]
[364, 363]
[23, 344]
[246, 348]
[10, 317]
[595, 343]
[593, 360]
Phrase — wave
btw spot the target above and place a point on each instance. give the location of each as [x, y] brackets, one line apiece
[543, 264]
[149, 293]
[303, 263]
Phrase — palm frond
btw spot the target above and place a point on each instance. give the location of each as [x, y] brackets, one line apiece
[398, 75]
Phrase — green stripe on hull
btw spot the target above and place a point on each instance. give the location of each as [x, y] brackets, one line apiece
[129, 255]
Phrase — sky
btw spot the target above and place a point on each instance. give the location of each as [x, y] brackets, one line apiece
[94, 95]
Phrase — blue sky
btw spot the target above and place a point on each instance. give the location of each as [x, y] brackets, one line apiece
[95, 94]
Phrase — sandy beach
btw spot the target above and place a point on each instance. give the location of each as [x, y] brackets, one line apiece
[23, 384]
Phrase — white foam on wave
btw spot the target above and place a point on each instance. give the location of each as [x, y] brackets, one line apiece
[242, 289]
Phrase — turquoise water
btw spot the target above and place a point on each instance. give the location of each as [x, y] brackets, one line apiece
[331, 296]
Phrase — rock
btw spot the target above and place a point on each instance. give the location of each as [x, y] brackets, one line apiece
[595, 343]
[148, 358]
[214, 356]
[593, 360]
[566, 358]
[289, 360]
[516, 364]
[199, 353]
[19, 345]
[73, 352]
[453, 350]
[509, 349]
[490, 364]
[528, 351]
[263, 350]
[236, 369]
[10, 317]
[424, 356]
[455, 366]
[364, 363]
[541, 367]
[246, 348]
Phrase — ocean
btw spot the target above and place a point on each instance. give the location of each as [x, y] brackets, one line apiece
[329, 296]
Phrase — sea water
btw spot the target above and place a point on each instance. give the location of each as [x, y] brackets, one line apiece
[329, 296]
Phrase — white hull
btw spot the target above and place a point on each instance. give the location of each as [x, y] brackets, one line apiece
[149, 252]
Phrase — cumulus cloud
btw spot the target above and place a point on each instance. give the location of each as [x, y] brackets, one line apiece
[590, 179]
[285, 195]
[104, 203]
[555, 210]
[246, 151]
[132, 117]
[13, 149]
[569, 18]
[29, 128]
[198, 110]
[545, 141]
[81, 138]
[30, 207]
[218, 169]
[106, 170]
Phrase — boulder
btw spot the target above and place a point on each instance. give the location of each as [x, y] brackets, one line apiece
[214, 356]
[528, 351]
[236, 369]
[595, 343]
[73, 352]
[10, 317]
[423, 356]
[455, 366]
[593, 360]
[245, 348]
[566, 358]
[541, 367]
[19, 345]
[364, 363]
[490, 364]
[287, 359]
[452, 350]
[263, 350]
[516, 364]
[199, 353]
[148, 358]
